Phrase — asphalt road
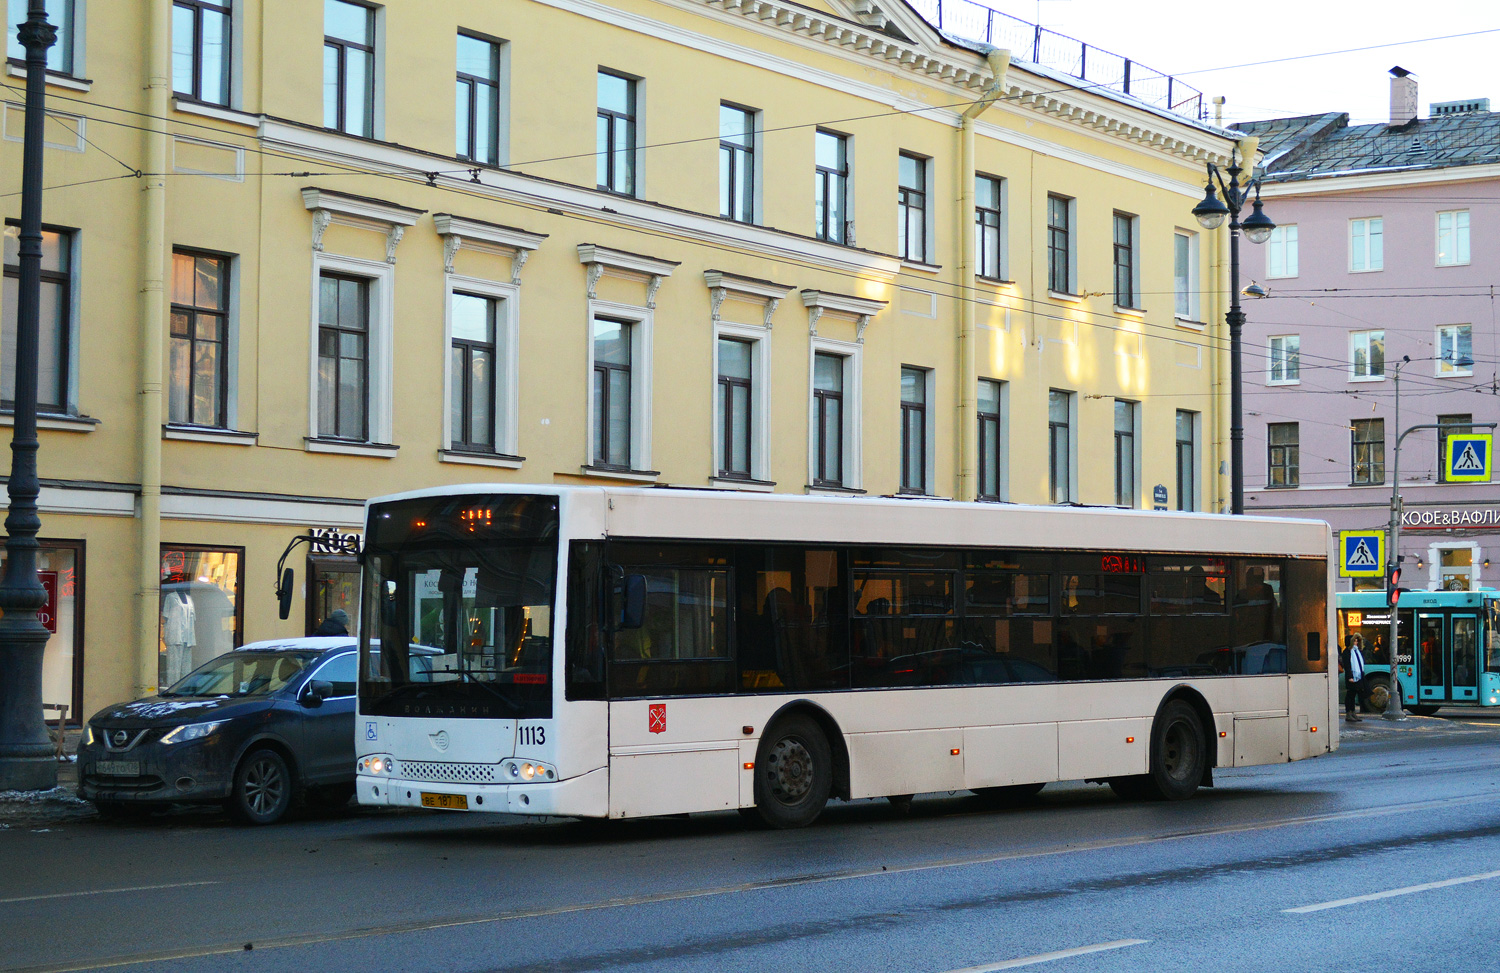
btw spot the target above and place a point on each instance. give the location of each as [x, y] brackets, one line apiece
[1386, 853]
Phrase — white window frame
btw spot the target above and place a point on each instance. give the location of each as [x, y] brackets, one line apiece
[1136, 298]
[1193, 282]
[1460, 234]
[1072, 292]
[1283, 242]
[1271, 358]
[929, 205]
[1369, 223]
[74, 78]
[507, 368]
[641, 321]
[1354, 338]
[852, 352]
[502, 92]
[759, 337]
[1003, 230]
[929, 429]
[382, 278]
[757, 159]
[1445, 368]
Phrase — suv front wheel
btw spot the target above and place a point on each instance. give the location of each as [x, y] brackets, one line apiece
[262, 789]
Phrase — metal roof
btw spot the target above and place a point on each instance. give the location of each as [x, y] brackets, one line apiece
[1313, 146]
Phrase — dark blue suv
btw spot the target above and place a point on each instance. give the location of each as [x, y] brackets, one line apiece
[255, 729]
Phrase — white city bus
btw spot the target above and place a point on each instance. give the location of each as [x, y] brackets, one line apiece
[601, 652]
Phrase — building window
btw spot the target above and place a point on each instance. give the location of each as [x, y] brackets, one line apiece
[1060, 269]
[1455, 347]
[991, 439]
[828, 420]
[1187, 460]
[201, 42]
[202, 607]
[911, 208]
[914, 430]
[199, 354]
[349, 68]
[343, 357]
[60, 568]
[477, 112]
[1366, 246]
[737, 163]
[1450, 425]
[472, 367]
[332, 584]
[1367, 355]
[1185, 275]
[736, 375]
[1281, 252]
[60, 56]
[1283, 457]
[1453, 238]
[1125, 493]
[1285, 361]
[54, 319]
[612, 393]
[831, 187]
[1125, 260]
[614, 143]
[988, 236]
[1060, 445]
[1367, 459]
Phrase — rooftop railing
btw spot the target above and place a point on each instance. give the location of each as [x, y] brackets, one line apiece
[1094, 65]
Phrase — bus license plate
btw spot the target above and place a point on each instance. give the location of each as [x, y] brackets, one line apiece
[118, 768]
[451, 802]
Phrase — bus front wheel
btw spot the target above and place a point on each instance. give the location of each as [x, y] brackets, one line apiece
[793, 773]
[1178, 753]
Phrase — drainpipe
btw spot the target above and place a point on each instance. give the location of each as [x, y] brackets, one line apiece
[152, 324]
[968, 370]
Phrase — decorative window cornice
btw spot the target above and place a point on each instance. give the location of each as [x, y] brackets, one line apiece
[633, 266]
[751, 289]
[507, 241]
[859, 308]
[360, 212]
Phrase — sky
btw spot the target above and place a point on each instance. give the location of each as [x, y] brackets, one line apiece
[1191, 41]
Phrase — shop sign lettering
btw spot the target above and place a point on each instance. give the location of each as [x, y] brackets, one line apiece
[1439, 518]
[330, 540]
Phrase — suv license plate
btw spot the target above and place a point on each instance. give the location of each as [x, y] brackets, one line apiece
[118, 768]
[452, 802]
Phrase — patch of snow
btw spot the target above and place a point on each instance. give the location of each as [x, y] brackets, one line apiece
[169, 707]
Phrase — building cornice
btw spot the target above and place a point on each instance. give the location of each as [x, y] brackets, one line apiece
[457, 232]
[1347, 182]
[862, 309]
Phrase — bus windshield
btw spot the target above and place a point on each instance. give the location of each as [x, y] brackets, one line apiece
[458, 607]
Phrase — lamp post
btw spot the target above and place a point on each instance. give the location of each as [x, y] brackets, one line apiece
[26, 761]
[1211, 213]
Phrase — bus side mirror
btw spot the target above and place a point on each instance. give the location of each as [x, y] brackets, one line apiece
[284, 594]
[632, 602]
[1314, 646]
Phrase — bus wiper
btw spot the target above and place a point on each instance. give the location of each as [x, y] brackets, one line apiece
[470, 677]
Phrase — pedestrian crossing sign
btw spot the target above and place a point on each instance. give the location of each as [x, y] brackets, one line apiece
[1466, 458]
[1363, 554]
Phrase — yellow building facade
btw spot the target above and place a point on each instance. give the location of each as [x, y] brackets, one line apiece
[354, 249]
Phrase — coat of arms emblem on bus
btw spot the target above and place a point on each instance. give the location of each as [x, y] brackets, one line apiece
[656, 717]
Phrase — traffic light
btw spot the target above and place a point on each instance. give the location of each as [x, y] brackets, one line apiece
[1393, 587]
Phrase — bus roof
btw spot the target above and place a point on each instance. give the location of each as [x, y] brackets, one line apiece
[676, 513]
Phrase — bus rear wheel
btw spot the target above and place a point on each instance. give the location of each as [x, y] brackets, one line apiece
[1178, 753]
[793, 773]
[1377, 693]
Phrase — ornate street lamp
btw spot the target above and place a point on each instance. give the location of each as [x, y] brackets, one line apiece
[1225, 199]
[26, 757]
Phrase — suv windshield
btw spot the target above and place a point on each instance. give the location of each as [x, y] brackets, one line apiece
[241, 674]
[458, 607]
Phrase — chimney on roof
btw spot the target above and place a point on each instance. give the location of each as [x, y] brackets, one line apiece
[1403, 96]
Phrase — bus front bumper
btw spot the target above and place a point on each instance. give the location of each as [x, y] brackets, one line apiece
[583, 796]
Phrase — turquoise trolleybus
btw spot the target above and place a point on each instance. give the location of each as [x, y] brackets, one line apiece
[1447, 646]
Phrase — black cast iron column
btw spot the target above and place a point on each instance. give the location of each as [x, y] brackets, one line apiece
[1236, 319]
[26, 761]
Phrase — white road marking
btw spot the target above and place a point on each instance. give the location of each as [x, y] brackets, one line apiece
[1392, 893]
[73, 895]
[1011, 964]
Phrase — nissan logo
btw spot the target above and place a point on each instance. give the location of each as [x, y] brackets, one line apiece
[119, 738]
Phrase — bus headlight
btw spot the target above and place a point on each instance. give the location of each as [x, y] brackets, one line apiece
[524, 771]
[374, 765]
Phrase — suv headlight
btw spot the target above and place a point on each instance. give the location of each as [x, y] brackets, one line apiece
[191, 731]
[88, 734]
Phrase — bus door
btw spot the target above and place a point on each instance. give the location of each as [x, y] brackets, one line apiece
[1431, 661]
[1464, 653]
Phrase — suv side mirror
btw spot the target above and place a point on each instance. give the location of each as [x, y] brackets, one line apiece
[315, 692]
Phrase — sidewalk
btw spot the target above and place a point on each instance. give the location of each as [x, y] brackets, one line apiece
[35, 810]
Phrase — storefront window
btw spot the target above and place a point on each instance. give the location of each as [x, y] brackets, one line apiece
[59, 565]
[334, 584]
[1457, 568]
[200, 607]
